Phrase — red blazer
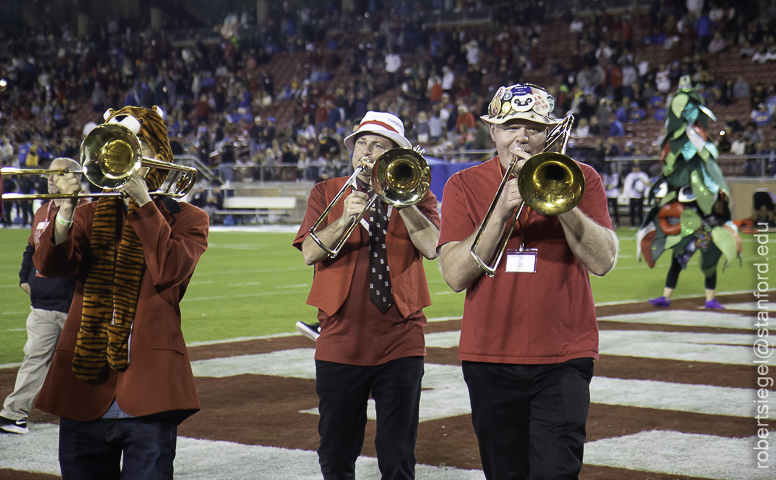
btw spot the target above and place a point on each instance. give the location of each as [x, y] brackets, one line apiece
[159, 376]
[334, 275]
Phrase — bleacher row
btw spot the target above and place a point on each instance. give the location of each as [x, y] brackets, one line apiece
[555, 41]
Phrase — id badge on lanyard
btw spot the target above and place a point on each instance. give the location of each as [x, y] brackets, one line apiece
[522, 260]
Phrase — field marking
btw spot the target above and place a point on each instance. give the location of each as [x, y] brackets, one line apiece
[243, 339]
[750, 306]
[642, 300]
[242, 295]
[685, 318]
[257, 228]
[257, 270]
[683, 346]
[218, 460]
[246, 284]
[659, 451]
[682, 397]
[679, 453]
[445, 393]
[443, 319]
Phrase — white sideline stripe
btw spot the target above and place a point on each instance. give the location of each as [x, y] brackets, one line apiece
[682, 397]
[242, 339]
[679, 453]
[443, 319]
[659, 451]
[257, 228]
[752, 306]
[254, 270]
[198, 459]
[733, 349]
[296, 334]
[644, 300]
[688, 318]
[683, 346]
[242, 295]
[445, 393]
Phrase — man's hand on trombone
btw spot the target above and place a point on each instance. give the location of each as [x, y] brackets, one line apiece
[511, 199]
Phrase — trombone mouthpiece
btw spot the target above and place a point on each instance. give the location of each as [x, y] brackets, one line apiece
[366, 164]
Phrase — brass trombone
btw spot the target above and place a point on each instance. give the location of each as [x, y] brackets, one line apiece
[550, 182]
[400, 177]
[111, 156]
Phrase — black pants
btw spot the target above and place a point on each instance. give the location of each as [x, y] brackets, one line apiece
[676, 268]
[7, 220]
[343, 391]
[614, 210]
[94, 450]
[25, 207]
[530, 419]
[636, 211]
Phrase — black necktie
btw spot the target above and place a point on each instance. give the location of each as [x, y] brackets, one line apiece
[379, 275]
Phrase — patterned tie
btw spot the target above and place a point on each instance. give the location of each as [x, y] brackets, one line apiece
[379, 275]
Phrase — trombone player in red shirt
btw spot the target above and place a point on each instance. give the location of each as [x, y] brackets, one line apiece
[529, 334]
[370, 290]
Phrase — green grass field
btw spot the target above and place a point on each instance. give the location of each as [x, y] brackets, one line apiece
[252, 284]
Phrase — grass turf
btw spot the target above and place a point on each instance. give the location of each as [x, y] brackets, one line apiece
[251, 284]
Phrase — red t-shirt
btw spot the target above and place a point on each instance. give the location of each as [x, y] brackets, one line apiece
[358, 333]
[524, 318]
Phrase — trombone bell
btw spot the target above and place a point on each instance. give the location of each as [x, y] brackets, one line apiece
[551, 183]
[402, 177]
[111, 156]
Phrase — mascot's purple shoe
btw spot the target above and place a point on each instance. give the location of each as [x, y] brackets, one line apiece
[714, 304]
[660, 302]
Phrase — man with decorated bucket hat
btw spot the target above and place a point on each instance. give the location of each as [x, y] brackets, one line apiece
[529, 335]
[370, 301]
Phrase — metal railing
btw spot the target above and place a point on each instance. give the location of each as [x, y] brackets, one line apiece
[448, 19]
[759, 165]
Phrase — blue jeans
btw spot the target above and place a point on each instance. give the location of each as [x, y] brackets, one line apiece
[343, 391]
[92, 450]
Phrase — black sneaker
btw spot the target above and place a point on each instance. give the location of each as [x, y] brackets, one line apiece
[13, 426]
[311, 331]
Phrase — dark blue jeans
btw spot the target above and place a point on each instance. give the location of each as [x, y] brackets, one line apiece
[92, 450]
[530, 419]
[343, 391]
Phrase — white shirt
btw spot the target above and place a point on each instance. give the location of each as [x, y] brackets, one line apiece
[636, 184]
[392, 62]
[737, 148]
[447, 80]
[611, 184]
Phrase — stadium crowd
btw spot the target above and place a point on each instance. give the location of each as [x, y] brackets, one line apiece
[224, 105]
